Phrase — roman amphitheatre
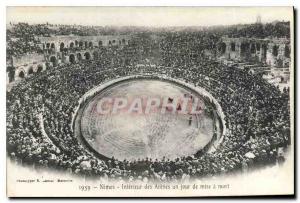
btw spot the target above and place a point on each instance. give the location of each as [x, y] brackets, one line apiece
[56, 79]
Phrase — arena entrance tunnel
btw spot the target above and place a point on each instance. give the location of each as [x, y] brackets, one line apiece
[132, 132]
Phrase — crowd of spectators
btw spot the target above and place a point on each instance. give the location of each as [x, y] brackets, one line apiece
[40, 112]
[21, 37]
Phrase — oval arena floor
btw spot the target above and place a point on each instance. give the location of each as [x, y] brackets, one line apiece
[130, 135]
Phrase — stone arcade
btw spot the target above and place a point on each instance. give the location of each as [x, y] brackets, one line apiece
[271, 52]
[60, 49]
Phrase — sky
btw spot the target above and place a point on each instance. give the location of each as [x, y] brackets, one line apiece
[147, 16]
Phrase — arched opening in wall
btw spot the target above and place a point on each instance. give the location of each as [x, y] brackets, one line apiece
[39, 68]
[43, 46]
[120, 42]
[87, 56]
[61, 47]
[30, 71]
[53, 61]
[95, 55]
[244, 49]
[72, 58]
[79, 57]
[21, 74]
[48, 45]
[123, 41]
[275, 50]
[100, 43]
[257, 46]
[114, 41]
[85, 44]
[109, 42]
[232, 46]
[252, 49]
[80, 44]
[222, 48]
[264, 50]
[287, 51]
[52, 46]
[90, 44]
[72, 45]
[76, 43]
[11, 75]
